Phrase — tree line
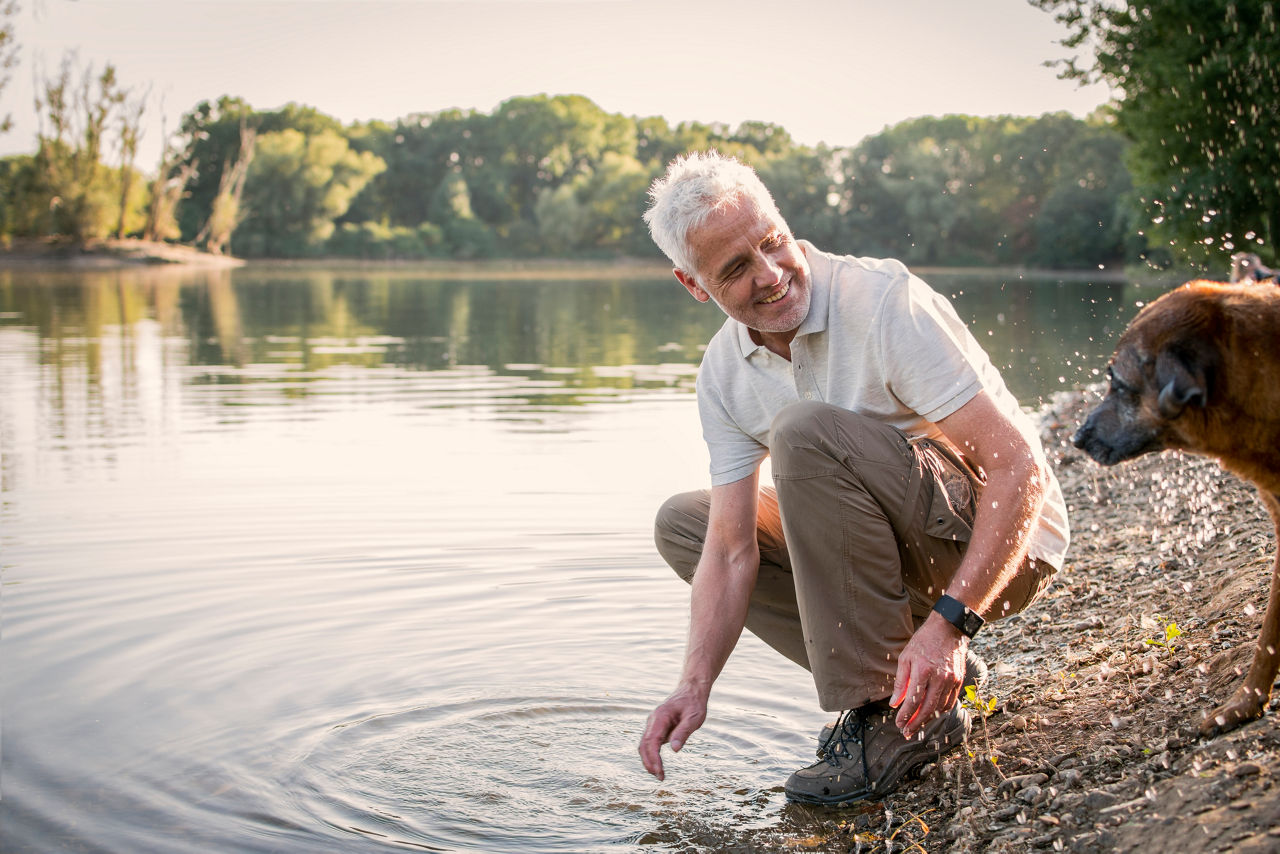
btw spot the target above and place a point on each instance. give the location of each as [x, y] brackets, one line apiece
[557, 176]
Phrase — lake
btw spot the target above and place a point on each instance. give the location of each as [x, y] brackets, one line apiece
[311, 561]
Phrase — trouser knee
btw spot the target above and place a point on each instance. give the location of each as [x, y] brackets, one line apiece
[680, 530]
[796, 421]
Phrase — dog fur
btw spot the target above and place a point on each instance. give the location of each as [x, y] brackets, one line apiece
[1198, 370]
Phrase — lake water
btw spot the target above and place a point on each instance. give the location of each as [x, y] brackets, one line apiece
[362, 561]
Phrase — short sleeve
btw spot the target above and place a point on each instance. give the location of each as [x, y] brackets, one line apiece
[734, 454]
[933, 364]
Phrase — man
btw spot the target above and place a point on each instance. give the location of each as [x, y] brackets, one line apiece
[911, 497]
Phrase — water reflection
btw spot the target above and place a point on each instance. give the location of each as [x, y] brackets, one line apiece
[109, 332]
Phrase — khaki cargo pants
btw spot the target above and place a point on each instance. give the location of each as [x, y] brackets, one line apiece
[860, 538]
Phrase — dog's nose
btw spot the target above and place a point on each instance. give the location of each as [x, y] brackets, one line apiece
[1081, 436]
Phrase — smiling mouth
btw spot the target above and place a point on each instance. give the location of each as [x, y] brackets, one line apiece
[779, 295]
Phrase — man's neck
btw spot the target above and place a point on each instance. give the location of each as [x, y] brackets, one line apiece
[774, 342]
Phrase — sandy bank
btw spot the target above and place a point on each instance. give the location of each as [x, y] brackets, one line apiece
[106, 254]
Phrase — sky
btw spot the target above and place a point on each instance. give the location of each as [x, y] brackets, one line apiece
[828, 71]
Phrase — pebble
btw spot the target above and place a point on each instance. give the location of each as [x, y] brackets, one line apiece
[1098, 800]
[1246, 769]
[1022, 781]
[1068, 778]
[1030, 794]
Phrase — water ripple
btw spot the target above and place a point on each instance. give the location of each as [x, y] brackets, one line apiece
[547, 772]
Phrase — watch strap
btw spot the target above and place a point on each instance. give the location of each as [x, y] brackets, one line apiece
[959, 615]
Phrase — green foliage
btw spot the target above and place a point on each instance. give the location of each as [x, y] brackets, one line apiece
[559, 176]
[379, 242]
[77, 111]
[1199, 81]
[24, 209]
[298, 184]
[963, 189]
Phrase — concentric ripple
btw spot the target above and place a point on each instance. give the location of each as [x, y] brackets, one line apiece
[545, 773]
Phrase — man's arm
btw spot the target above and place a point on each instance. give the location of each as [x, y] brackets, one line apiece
[722, 588]
[931, 666]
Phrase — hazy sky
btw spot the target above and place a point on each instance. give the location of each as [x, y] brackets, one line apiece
[829, 71]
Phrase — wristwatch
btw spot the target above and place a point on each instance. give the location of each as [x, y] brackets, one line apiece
[959, 615]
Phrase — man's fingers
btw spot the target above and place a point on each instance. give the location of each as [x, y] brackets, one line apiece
[923, 713]
[683, 730]
[901, 682]
[655, 735]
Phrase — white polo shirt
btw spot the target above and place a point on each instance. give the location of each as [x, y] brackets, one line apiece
[878, 341]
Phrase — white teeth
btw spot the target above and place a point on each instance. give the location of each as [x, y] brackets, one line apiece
[779, 295]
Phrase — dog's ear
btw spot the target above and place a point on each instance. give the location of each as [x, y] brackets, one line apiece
[1180, 374]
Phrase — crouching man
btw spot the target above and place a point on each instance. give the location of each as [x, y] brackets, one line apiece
[911, 497]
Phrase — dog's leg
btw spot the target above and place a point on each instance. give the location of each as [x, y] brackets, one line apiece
[1250, 698]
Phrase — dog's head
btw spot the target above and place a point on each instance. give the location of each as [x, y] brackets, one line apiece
[1161, 377]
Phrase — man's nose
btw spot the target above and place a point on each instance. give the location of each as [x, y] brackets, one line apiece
[768, 271]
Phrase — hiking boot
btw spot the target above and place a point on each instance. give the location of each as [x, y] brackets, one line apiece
[975, 674]
[867, 755]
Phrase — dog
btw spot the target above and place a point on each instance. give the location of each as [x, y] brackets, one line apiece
[1248, 267]
[1198, 370]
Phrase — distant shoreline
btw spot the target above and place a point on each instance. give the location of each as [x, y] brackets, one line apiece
[131, 253]
[107, 255]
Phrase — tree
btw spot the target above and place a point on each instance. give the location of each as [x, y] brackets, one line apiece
[130, 120]
[165, 192]
[211, 141]
[297, 185]
[8, 51]
[75, 114]
[1198, 82]
[225, 214]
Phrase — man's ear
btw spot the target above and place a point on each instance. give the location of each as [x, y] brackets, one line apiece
[691, 285]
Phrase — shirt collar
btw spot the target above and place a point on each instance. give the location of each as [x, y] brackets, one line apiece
[819, 297]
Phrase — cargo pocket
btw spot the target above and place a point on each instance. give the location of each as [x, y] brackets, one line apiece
[954, 501]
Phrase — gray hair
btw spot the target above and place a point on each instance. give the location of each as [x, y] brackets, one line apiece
[695, 186]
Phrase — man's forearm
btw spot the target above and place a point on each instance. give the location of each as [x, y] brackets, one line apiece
[1006, 515]
[722, 590]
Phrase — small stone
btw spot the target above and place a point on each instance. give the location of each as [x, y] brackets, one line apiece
[1098, 800]
[1240, 805]
[1068, 778]
[1021, 781]
[1246, 769]
[1030, 794]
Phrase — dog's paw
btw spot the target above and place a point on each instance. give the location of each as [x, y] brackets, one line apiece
[1241, 708]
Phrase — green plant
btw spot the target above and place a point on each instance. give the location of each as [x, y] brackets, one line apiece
[1171, 633]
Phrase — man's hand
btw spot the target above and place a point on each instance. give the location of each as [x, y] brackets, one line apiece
[930, 670]
[673, 721]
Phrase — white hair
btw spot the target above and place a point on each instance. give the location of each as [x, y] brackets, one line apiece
[695, 186]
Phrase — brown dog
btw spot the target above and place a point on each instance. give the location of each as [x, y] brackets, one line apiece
[1199, 370]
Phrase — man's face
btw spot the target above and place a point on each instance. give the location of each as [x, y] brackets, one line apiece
[749, 263]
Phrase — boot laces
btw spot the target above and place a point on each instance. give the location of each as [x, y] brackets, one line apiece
[851, 727]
